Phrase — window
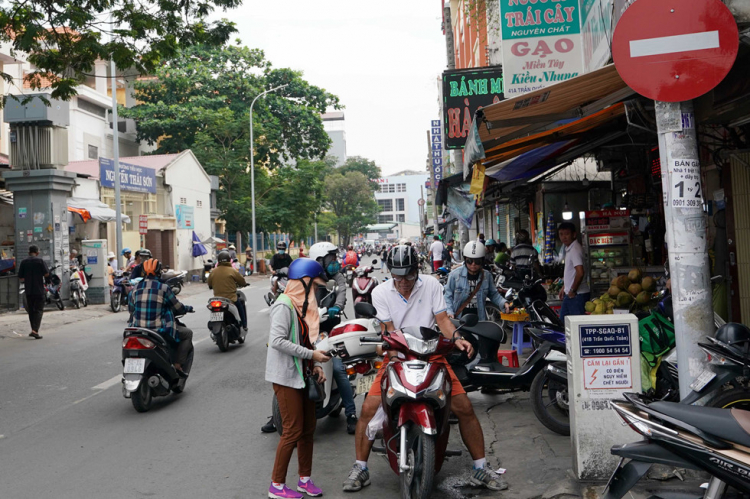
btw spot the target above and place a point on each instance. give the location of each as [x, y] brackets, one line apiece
[384, 188]
[93, 152]
[385, 219]
[391, 187]
[92, 108]
[400, 187]
[199, 203]
[183, 200]
[401, 217]
[400, 204]
[385, 204]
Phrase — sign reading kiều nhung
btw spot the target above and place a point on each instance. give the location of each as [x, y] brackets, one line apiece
[541, 43]
[464, 92]
[132, 177]
[436, 145]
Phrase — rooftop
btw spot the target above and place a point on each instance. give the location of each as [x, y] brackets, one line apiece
[91, 167]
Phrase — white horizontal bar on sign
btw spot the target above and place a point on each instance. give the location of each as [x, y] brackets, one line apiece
[674, 44]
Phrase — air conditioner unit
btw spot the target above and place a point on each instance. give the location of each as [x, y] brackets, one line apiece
[38, 147]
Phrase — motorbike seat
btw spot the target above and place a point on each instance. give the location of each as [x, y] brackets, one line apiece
[142, 331]
[731, 425]
[485, 329]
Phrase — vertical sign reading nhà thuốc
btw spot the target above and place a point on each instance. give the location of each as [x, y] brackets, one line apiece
[464, 92]
[541, 43]
[436, 151]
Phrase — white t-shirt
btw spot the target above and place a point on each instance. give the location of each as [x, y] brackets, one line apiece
[573, 258]
[425, 302]
[436, 248]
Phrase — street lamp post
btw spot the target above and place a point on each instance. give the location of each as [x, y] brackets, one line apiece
[252, 170]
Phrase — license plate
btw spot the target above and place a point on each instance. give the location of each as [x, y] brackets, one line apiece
[702, 380]
[364, 383]
[134, 366]
[216, 317]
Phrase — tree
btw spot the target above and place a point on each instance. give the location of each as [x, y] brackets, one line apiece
[365, 166]
[63, 40]
[350, 198]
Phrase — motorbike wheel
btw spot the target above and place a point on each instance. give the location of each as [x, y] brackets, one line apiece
[222, 340]
[84, 299]
[735, 398]
[142, 397]
[176, 288]
[549, 399]
[60, 304]
[75, 298]
[114, 301]
[203, 277]
[276, 415]
[417, 483]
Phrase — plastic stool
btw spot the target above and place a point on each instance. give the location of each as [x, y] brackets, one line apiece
[517, 342]
[511, 355]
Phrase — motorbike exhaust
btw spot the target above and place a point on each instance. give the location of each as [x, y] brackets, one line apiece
[158, 384]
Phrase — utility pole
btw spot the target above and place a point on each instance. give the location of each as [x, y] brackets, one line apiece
[689, 267]
[116, 160]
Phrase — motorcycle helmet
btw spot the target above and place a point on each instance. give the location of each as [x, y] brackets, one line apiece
[223, 256]
[490, 243]
[281, 246]
[152, 267]
[474, 249]
[126, 251]
[402, 260]
[325, 254]
[306, 267]
[144, 254]
[732, 333]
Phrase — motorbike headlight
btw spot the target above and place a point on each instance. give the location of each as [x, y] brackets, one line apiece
[420, 346]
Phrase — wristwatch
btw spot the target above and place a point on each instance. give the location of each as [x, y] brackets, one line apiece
[457, 336]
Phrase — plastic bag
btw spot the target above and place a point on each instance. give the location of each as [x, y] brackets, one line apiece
[376, 423]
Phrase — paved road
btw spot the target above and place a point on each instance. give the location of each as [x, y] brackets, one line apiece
[67, 432]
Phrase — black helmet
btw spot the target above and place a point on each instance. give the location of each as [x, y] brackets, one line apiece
[144, 254]
[281, 245]
[402, 260]
[732, 333]
[223, 256]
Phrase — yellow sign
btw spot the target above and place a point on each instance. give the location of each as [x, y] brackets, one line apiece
[477, 179]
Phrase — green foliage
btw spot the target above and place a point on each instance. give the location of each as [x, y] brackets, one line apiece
[63, 40]
[350, 198]
[359, 164]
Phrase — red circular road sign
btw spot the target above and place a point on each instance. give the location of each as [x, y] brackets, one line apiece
[675, 50]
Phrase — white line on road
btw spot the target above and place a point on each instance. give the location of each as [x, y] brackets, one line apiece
[110, 382]
[264, 310]
[674, 44]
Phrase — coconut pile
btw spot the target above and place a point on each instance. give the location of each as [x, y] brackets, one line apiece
[624, 290]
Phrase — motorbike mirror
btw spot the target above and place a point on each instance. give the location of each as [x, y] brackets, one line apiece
[365, 310]
[469, 320]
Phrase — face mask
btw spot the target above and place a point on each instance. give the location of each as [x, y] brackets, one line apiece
[281, 252]
[333, 268]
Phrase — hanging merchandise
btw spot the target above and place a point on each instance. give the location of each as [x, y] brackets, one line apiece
[461, 203]
[549, 241]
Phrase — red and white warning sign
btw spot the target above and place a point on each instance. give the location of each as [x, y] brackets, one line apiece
[607, 373]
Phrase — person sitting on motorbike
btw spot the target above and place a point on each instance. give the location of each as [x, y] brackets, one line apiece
[409, 299]
[470, 285]
[351, 257]
[502, 256]
[140, 257]
[279, 261]
[295, 326]
[489, 249]
[153, 305]
[226, 281]
[129, 259]
[524, 255]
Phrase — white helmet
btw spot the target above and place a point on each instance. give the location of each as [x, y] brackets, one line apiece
[474, 249]
[320, 250]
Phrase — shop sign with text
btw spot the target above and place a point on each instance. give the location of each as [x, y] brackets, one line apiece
[132, 177]
[596, 33]
[541, 43]
[464, 92]
[436, 145]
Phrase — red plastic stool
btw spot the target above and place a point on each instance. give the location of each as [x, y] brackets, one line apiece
[511, 355]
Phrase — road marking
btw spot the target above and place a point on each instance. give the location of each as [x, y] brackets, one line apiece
[264, 310]
[674, 44]
[109, 383]
[200, 341]
[88, 397]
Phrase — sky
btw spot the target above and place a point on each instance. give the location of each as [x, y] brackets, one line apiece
[381, 58]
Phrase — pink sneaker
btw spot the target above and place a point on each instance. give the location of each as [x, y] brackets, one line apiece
[285, 493]
[309, 488]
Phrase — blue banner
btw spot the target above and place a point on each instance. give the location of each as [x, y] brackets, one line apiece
[437, 150]
[132, 177]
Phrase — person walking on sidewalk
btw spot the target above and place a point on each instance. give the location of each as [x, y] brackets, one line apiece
[32, 272]
[436, 251]
[291, 356]
[575, 292]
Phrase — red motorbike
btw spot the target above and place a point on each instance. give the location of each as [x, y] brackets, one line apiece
[416, 399]
[363, 284]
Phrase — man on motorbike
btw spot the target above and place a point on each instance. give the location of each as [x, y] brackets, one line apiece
[232, 249]
[410, 300]
[154, 306]
[524, 254]
[226, 281]
[279, 261]
[351, 257]
[140, 257]
[129, 259]
[470, 285]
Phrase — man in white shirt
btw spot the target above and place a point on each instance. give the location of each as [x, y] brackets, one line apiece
[410, 300]
[436, 249]
[575, 292]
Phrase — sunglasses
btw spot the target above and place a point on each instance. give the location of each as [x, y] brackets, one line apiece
[473, 261]
[410, 277]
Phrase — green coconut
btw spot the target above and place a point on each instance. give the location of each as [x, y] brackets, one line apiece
[614, 291]
[634, 289]
[623, 282]
[624, 299]
[643, 298]
[634, 275]
[589, 306]
[648, 283]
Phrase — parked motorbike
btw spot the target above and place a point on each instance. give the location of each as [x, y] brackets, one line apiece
[78, 285]
[424, 264]
[120, 291]
[208, 266]
[364, 284]
[174, 279]
[416, 399]
[147, 372]
[224, 322]
[52, 287]
[442, 274]
[281, 278]
[708, 439]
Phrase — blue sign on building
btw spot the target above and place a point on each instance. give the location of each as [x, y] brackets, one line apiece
[437, 150]
[132, 177]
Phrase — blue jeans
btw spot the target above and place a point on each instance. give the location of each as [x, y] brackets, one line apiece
[345, 388]
[574, 306]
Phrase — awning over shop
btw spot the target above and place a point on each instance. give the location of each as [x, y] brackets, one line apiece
[381, 227]
[94, 209]
[213, 240]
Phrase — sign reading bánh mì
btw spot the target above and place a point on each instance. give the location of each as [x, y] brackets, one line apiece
[464, 92]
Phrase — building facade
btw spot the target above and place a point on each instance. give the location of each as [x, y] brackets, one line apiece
[398, 200]
[334, 125]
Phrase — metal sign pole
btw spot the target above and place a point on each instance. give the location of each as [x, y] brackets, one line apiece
[116, 159]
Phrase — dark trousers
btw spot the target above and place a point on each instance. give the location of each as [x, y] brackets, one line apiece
[185, 345]
[574, 306]
[35, 309]
[242, 309]
[298, 422]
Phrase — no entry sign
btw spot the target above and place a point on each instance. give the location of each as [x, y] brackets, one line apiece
[675, 50]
